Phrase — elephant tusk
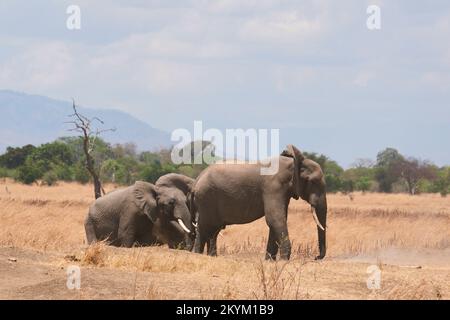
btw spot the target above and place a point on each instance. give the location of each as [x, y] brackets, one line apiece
[183, 226]
[195, 224]
[316, 219]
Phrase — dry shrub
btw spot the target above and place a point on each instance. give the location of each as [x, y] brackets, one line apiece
[95, 254]
[153, 292]
[277, 282]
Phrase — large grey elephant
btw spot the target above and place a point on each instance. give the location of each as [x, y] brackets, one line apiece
[226, 194]
[142, 214]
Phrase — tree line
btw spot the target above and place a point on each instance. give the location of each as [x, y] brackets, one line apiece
[391, 172]
[64, 160]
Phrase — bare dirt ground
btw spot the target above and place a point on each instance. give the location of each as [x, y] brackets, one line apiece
[407, 238]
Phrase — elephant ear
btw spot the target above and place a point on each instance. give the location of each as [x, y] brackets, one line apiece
[145, 199]
[311, 171]
[292, 152]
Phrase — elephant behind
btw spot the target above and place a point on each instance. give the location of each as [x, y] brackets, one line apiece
[124, 217]
[144, 214]
[226, 194]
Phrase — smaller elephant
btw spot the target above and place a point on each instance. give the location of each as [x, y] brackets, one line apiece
[132, 216]
[124, 217]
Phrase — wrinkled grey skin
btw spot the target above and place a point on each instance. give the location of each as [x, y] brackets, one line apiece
[173, 192]
[124, 217]
[144, 214]
[226, 194]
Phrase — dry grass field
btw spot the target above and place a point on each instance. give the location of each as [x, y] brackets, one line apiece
[407, 237]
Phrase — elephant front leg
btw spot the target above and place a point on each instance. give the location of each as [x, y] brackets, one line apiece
[200, 241]
[276, 218]
[272, 246]
[278, 239]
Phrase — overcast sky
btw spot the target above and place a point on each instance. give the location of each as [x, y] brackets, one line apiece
[310, 68]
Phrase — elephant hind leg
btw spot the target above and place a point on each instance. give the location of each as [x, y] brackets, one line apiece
[127, 233]
[90, 230]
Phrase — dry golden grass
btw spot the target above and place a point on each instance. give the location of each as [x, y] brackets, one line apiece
[50, 219]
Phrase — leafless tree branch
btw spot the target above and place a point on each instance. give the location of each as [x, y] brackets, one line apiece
[84, 126]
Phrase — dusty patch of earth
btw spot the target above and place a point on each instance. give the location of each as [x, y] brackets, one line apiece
[433, 258]
[28, 274]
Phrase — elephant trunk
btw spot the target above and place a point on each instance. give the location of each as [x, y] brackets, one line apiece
[321, 214]
[188, 242]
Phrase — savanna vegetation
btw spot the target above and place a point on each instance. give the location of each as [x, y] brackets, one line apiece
[405, 236]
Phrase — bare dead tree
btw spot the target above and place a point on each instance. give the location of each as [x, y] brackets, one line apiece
[89, 135]
[412, 171]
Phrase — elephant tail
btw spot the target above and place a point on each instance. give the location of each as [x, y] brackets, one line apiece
[90, 230]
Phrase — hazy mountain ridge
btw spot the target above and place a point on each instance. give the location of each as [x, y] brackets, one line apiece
[38, 119]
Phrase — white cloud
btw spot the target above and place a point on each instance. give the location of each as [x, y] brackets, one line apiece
[293, 78]
[363, 78]
[236, 6]
[38, 67]
[437, 80]
[281, 27]
[169, 46]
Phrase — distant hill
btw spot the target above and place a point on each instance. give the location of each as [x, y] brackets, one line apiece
[37, 119]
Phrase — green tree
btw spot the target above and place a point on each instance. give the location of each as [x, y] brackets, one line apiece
[15, 157]
[48, 155]
[63, 172]
[347, 186]
[28, 174]
[81, 174]
[363, 184]
[442, 183]
[361, 177]
[333, 173]
[151, 173]
[50, 178]
[385, 172]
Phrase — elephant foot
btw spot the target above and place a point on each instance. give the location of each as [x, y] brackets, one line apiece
[271, 257]
[285, 253]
